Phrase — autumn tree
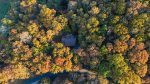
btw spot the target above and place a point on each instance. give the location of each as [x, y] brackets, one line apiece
[32, 41]
[13, 72]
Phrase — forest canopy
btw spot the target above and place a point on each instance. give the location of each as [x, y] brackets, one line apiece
[108, 37]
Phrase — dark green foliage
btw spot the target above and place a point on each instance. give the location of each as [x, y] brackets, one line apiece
[120, 8]
[102, 69]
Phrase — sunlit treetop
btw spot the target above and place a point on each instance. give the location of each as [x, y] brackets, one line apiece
[27, 3]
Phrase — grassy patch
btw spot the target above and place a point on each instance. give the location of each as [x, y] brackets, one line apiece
[4, 7]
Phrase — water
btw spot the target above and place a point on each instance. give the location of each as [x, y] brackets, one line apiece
[35, 79]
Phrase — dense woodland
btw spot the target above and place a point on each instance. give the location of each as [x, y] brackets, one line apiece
[110, 38]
